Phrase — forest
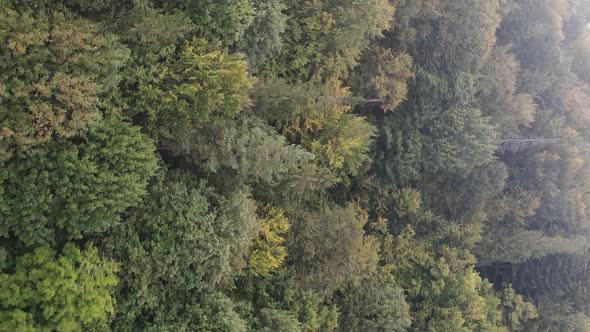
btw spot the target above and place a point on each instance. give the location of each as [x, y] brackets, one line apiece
[295, 165]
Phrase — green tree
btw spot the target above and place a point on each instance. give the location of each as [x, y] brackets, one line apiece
[580, 50]
[176, 93]
[398, 152]
[90, 7]
[373, 305]
[468, 144]
[442, 288]
[516, 310]
[498, 94]
[208, 312]
[252, 152]
[382, 76]
[58, 76]
[326, 38]
[76, 187]
[329, 248]
[47, 291]
[507, 236]
[339, 139]
[519, 245]
[185, 237]
[152, 35]
[557, 175]
[560, 277]
[318, 118]
[464, 196]
[464, 29]
[263, 39]
[558, 316]
[226, 20]
[279, 320]
[277, 302]
[535, 28]
[436, 133]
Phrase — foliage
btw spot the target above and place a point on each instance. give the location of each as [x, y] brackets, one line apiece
[152, 35]
[263, 39]
[465, 29]
[437, 134]
[456, 137]
[536, 30]
[329, 248]
[580, 50]
[268, 251]
[226, 20]
[561, 277]
[279, 320]
[550, 174]
[326, 165]
[325, 38]
[342, 145]
[183, 236]
[382, 75]
[374, 305]
[89, 7]
[442, 149]
[322, 123]
[558, 317]
[518, 245]
[446, 293]
[71, 291]
[76, 187]
[399, 149]
[517, 311]
[277, 301]
[441, 285]
[58, 74]
[253, 152]
[213, 312]
[182, 90]
[507, 109]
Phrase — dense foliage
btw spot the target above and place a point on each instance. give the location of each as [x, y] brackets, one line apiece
[297, 166]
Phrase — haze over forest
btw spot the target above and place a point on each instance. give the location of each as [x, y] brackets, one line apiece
[295, 165]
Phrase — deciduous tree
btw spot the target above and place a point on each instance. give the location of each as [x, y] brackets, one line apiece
[186, 237]
[78, 186]
[329, 248]
[71, 291]
[58, 75]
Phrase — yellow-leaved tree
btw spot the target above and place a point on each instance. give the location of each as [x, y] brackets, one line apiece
[268, 250]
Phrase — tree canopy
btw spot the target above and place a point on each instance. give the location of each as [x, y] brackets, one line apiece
[304, 166]
[70, 291]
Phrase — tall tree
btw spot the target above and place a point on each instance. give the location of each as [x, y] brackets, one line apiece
[318, 118]
[381, 76]
[268, 251]
[499, 97]
[67, 291]
[226, 20]
[325, 38]
[58, 74]
[464, 29]
[176, 93]
[329, 248]
[374, 305]
[252, 152]
[186, 237]
[263, 39]
[78, 186]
